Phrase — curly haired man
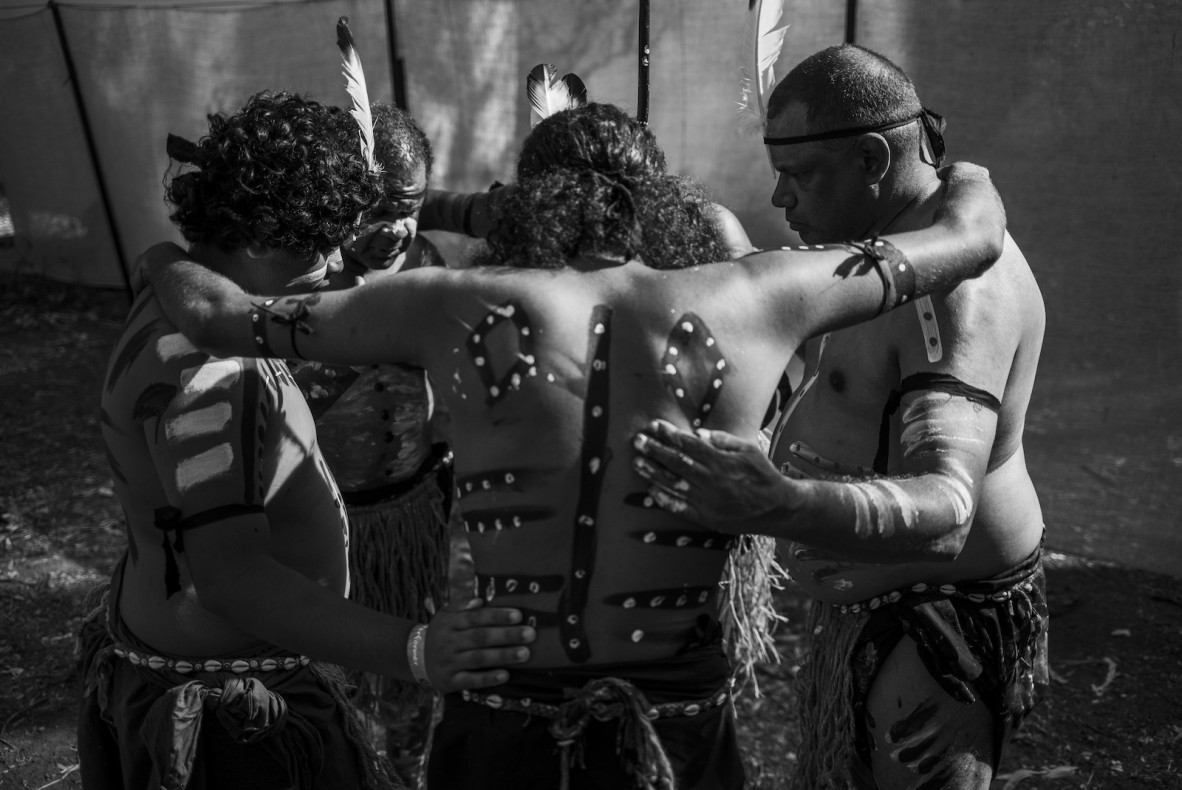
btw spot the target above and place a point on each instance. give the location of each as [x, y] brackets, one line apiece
[591, 312]
[206, 665]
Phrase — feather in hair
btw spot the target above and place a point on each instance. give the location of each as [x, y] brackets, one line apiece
[548, 93]
[355, 85]
[762, 43]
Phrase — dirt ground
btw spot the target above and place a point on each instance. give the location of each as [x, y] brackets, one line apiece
[1113, 719]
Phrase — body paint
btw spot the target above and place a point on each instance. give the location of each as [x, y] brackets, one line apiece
[693, 368]
[941, 424]
[198, 422]
[524, 365]
[204, 466]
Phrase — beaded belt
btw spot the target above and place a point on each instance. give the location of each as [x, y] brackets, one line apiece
[547, 711]
[185, 666]
[936, 590]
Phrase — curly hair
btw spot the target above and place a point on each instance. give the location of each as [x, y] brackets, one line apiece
[399, 141]
[284, 171]
[592, 181]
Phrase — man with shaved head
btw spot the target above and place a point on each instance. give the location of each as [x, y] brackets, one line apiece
[896, 468]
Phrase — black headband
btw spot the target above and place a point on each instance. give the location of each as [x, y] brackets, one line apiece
[406, 195]
[933, 125]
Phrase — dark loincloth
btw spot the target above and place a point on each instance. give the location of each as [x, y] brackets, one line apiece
[982, 640]
[670, 721]
[265, 720]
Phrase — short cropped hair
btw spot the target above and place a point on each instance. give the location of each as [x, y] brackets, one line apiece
[846, 86]
[399, 141]
[284, 171]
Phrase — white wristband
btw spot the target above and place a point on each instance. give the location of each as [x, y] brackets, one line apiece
[416, 654]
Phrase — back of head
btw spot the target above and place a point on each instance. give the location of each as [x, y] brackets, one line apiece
[591, 181]
[596, 137]
[399, 142]
[284, 172]
[848, 86]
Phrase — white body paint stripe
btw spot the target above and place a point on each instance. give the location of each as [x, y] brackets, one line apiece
[907, 506]
[169, 347]
[215, 374]
[204, 467]
[930, 328]
[798, 395]
[198, 422]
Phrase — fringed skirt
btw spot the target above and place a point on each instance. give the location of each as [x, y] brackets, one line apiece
[980, 640]
[399, 549]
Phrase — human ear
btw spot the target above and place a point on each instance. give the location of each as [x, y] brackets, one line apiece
[874, 156]
[256, 250]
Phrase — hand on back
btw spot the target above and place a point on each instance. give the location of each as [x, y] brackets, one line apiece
[714, 479]
[468, 648]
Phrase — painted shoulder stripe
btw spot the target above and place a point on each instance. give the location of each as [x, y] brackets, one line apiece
[173, 346]
[930, 328]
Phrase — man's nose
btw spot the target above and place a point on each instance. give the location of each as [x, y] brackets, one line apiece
[782, 195]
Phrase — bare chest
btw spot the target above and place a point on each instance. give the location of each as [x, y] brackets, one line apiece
[832, 423]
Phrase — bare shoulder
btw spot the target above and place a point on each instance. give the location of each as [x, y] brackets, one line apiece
[1004, 302]
[733, 233]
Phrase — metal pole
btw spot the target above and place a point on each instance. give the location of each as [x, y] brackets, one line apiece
[91, 148]
[397, 74]
[642, 76]
[851, 21]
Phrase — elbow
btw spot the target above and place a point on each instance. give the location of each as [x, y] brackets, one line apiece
[988, 230]
[948, 546]
[202, 326]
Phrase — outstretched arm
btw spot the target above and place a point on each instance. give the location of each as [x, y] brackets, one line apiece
[237, 578]
[378, 322]
[922, 513]
[469, 213]
[815, 289]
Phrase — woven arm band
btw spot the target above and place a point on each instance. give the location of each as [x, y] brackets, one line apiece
[895, 270]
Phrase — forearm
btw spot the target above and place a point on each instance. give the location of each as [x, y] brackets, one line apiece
[472, 214]
[883, 520]
[283, 607]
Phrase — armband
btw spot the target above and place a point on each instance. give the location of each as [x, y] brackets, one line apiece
[295, 320]
[895, 270]
[416, 654]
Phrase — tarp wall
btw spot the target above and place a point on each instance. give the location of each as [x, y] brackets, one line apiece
[1074, 105]
[141, 72]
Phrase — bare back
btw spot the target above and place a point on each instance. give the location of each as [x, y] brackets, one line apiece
[209, 441]
[548, 375]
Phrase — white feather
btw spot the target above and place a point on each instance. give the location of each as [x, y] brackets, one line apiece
[548, 93]
[763, 41]
[355, 85]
